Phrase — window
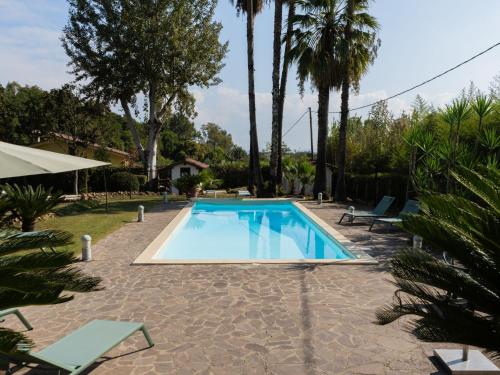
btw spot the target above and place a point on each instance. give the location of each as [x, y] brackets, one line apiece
[185, 171]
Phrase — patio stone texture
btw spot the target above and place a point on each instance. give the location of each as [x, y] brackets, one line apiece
[240, 319]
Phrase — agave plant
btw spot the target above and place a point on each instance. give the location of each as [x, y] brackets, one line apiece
[460, 301]
[28, 204]
[36, 278]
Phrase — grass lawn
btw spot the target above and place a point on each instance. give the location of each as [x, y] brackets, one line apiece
[95, 221]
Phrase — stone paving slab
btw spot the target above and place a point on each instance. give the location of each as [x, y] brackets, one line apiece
[240, 319]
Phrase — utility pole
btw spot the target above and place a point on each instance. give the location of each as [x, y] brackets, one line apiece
[311, 132]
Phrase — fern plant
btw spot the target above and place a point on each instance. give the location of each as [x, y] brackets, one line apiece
[457, 302]
[36, 278]
[28, 204]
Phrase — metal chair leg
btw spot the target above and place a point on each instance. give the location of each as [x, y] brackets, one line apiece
[342, 218]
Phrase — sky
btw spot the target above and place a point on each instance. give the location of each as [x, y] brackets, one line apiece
[420, 38]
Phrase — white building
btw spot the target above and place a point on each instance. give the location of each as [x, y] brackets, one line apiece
[189, 167]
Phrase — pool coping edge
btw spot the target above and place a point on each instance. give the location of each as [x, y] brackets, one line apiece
[147, 257]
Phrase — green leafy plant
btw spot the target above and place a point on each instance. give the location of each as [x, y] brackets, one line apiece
[305, 174]
[460, 301]
[189, 184]
[28, 204]
[36, 278]
[209, 181]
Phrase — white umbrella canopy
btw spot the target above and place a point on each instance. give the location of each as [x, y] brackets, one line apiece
[17, 161]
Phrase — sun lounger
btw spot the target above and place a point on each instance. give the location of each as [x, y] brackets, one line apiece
[17, 313]
[411, 207]
[80, 349]
[244, 193]
[378, 211]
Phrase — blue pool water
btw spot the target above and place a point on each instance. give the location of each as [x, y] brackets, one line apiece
[243, 231]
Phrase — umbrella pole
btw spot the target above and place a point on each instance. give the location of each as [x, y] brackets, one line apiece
[106, 189]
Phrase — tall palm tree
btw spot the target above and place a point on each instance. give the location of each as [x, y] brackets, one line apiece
[358, 49]
[251, 9]
[279, 86]
[284, 77]
[275, 137]
[316, 36]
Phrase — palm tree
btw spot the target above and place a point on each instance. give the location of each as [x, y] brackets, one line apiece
[27, 203]
[279, 87]
[275, 137]
[36, 278]
[334, 43]
[316, 38]
[358, 48]
[456, 301]
[251, 9]
[284, 77]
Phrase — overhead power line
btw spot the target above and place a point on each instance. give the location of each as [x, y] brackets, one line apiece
[425, 82]
[290, 128]
[404, 91]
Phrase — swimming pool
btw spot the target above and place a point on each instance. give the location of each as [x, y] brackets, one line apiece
[248, 231]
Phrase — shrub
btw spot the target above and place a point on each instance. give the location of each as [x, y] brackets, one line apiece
[123, 181]
[143, 180]
[188, 184]
[453, 301]
[28, 204]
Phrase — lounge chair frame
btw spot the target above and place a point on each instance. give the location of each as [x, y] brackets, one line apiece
[80, 349]
[16, 312]
[378, 211]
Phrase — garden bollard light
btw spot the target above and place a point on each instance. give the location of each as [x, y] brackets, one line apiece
[417, 242]
[86, 248]
[351, 210]
[320, 198]
[165, 197]
[140, 214]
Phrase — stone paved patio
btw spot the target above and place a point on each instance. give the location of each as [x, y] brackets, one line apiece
[234, 319]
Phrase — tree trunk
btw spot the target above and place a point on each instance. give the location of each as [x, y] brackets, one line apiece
[275, 138]
[340, 192]
[254, 143]
[323, 102]
[28, 225]
[133, 130]
[76, 183]
[284, 77]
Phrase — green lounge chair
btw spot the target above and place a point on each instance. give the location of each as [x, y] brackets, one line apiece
[17, 313]
[80, 349]
[411, 207]
[378, 211]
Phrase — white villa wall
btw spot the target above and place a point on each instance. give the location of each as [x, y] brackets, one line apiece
[176, 173]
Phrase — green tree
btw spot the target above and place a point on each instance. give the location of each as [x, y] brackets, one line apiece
[168, 46]
[36, 278]
[215, 137]
[22, 113]
[179, 138]
[358, 49]
[251, 8]
[457, 302]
